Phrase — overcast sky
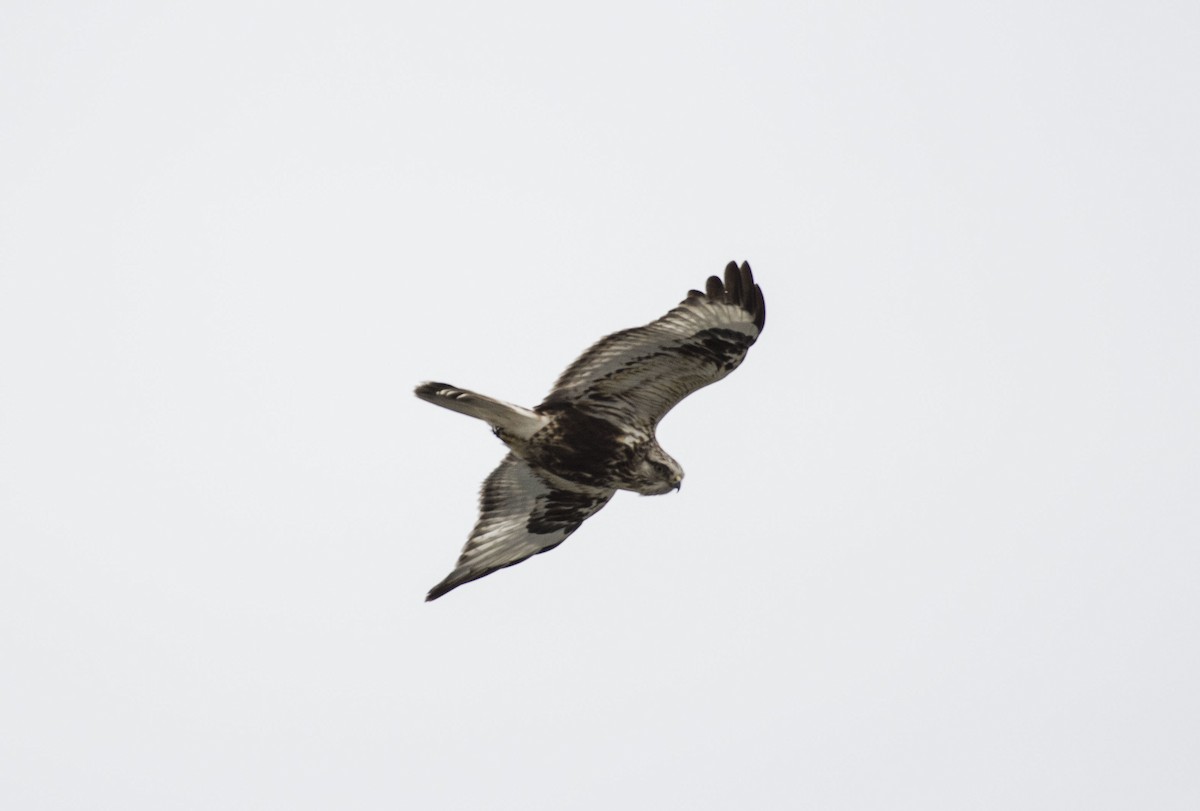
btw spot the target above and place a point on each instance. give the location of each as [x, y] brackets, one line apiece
[938, 542]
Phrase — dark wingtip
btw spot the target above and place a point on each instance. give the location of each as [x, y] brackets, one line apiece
[460, 577]
[739, 288]
[747, 283]
[733, 283]
[752, 297]
[714, 288]
[442, 588]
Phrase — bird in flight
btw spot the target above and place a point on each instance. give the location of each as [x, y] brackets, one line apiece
[594, 433]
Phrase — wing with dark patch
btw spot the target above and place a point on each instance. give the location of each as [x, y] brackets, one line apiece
[521, 513]
[638, 375]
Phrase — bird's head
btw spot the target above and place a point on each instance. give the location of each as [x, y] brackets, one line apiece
[656, 473]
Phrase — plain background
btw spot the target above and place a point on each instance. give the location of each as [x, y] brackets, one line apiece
[937, 547]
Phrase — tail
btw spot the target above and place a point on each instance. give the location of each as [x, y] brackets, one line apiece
[508, 418]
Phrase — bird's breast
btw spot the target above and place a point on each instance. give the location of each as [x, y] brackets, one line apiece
[582, 448]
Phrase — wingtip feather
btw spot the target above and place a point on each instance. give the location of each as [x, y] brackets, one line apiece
[733, 283]
[437, 591]
[714, 287]
[747, 279]
[452, 581]
[739, 288]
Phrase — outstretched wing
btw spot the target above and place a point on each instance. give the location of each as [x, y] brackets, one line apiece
[521, 513]
[638, 375]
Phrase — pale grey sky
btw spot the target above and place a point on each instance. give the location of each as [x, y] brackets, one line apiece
[938, 543]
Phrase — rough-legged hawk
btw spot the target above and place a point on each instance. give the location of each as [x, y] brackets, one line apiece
[594, 434]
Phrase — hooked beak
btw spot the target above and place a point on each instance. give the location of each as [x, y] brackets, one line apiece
[678, 486]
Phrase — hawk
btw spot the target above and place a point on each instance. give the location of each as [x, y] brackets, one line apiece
[594, 434]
